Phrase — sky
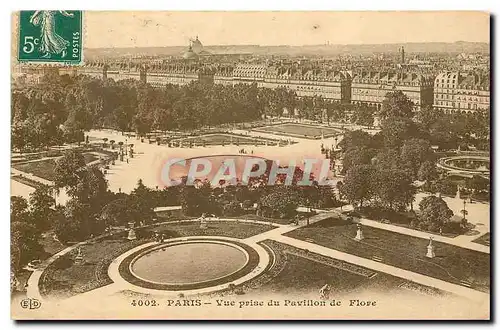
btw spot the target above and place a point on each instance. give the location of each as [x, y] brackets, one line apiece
[157, 29]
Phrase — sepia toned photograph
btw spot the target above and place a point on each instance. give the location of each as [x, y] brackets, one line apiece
[272, 165]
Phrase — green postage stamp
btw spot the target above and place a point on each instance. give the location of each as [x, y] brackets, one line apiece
[50, 36]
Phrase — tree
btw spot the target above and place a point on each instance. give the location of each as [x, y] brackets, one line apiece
[356, 139]
[25, 246]
[357, 156]
[19, 209]
[142, 200]
[92, 184]
[396, 104]
[68, 169]
[162, 119]
[117, 213]
[363, 115]
[434, 213]
[232, 208]
[446, 186]
[394, 188]
[281, 203]
[320, 196]
[427, 171]
[388, 159]
[358, 184]
[80, 102]
[196, 201]
[84, 182]
[477, 184]
[75, 222]
[23, 235]
[41, 202]
[414, 153]
[396, 130]
[428, 116]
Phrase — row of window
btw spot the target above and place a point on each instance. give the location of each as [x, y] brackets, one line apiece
[454, 80]
[463, 98]
[398, 83]
[458, 105]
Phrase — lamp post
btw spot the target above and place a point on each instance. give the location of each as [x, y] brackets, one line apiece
[126, 153]
[464, 211]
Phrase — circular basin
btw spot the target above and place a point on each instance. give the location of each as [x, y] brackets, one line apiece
[189, 263]
[466, 164]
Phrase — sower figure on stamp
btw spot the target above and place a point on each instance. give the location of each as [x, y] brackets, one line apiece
[50, 41]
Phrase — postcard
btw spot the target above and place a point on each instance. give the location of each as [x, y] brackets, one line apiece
[250, 165]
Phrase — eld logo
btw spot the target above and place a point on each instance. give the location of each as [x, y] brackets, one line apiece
[30, 303]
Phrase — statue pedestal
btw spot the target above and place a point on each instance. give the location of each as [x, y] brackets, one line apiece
[359, 235]
[430, 251]
[79, 257]
[131, 235]
[203, 224]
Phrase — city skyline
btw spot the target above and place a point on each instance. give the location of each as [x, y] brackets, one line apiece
[168, 29]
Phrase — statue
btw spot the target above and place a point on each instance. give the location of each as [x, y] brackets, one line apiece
[79, 257]
[203, 222]
[14, 282]
[359, 233]
[131, 233]
[324, 292]
[430, 249]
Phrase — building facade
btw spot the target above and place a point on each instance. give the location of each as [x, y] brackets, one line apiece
[370, 88]
[462, 92]
[332, 85]
[448, 91]
[367, 88]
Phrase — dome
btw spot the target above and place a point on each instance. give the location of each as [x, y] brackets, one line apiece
[197, 46]
[190, 55]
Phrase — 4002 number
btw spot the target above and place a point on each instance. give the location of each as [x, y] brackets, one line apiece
[146, 303]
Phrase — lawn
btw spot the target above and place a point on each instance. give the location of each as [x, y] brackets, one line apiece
[89, 158]
[50, 244]
[452, 263]
[303, 273]
[45, 168]
[27, 181]
[300, 130]
[484, 239]
[63, 278]
[226, 139]
[254, 217]
[177, 215]
[215, 228]
[402, 219]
